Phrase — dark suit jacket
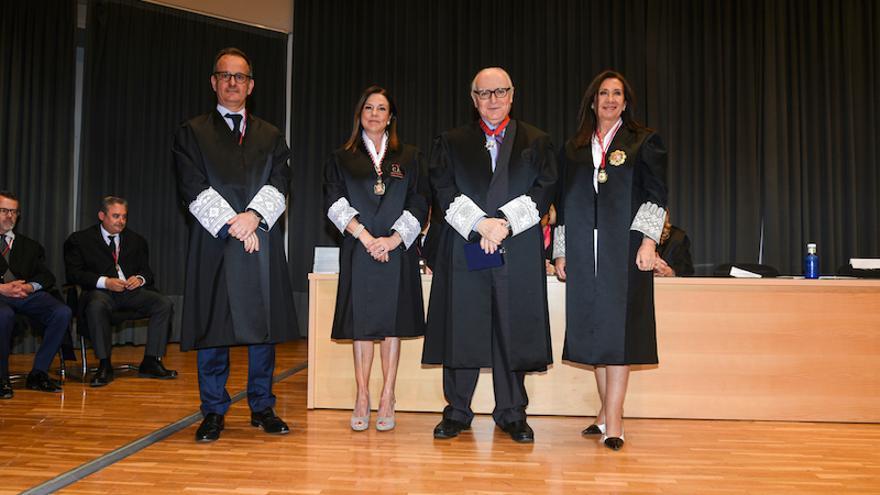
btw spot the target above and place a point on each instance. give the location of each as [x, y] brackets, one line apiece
[27, 260]
[87, 257]
[676, 252]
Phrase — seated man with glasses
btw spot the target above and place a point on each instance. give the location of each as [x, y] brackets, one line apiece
[112, 266]
[23, 290]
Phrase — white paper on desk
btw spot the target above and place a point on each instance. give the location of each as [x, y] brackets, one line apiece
[740, 273]
[865, 263]
[326, 260]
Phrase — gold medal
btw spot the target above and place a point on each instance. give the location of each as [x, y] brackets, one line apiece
[603, 176]
[379, 187]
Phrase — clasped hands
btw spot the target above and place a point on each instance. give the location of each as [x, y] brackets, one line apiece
[380, 247]
[493, 232]
[120, 285]
[244, 228]
[17, 289]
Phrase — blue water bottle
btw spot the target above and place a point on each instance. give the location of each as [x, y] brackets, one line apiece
[811, 262]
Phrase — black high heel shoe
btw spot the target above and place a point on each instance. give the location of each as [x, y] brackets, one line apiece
[613, 443]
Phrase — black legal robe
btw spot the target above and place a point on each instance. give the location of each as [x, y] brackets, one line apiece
[609, 311]
[676, 252]
[232, 297]
[377, 300]
[459, 325]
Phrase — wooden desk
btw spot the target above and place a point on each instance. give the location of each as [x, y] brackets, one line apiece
[765, 349]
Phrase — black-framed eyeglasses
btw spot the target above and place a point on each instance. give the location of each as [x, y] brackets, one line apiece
[484, 94]
[9, 211]
[226, 76]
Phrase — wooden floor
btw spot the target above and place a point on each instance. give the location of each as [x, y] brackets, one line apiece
[42, 436]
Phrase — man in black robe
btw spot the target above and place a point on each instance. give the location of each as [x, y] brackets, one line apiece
[493, 180]
[233, 177]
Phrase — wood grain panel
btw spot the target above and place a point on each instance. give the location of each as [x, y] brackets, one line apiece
[729, 349]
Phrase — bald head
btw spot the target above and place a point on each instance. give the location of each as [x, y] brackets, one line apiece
[485, 90]
[494, 72]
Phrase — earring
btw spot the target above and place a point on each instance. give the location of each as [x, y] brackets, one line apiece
[592, 107]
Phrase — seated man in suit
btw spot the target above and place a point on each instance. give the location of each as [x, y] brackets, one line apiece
[23, 290]
[111, 265]
[675, 252]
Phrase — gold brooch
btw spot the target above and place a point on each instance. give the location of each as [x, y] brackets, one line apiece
[617, 158]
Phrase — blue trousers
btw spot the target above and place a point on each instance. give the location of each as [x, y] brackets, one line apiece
[214, 371]
[40, 306]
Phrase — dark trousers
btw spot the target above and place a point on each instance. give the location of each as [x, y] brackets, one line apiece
[142, 303]
[41, 307]
[214, 371]
[459, 384]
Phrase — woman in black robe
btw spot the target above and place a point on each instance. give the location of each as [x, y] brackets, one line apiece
[372, 194]
[610, 214]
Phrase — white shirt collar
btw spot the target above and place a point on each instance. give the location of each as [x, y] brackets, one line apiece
[10, 236]
[223, 111]
[106, 236]
[371, 148]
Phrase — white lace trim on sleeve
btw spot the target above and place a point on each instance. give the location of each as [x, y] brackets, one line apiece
[522, 213]
[559, 242]
[408, 227]
[211, 210]
[269, 202]
[649, 220]
[463, 214]
[340, 213]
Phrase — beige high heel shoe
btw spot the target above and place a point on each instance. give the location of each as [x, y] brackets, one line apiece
[386, 423]
[361, 423]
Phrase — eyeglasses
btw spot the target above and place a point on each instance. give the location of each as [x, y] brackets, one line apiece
[7, 211]
[226, 76]
[484, 94]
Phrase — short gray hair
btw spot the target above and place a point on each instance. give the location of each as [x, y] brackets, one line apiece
[108, 201]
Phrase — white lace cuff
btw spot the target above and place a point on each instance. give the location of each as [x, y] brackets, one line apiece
[521, 213]
[340, 213]
[463, 214]
[559, 242]
[211, 210]
[649, 220]
[269, 203]
[408, 228]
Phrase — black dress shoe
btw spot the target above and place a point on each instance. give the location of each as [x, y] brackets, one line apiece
[40, 381]
[210, 428]
[269, 422]
[520, 431]
[151, 367]
[614, 443]
[103, 376]
[5, 388]
[449, 428]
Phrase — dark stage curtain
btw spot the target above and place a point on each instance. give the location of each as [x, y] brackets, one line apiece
[768, 109]
[820, 130]
[147, 71]
[37, 91]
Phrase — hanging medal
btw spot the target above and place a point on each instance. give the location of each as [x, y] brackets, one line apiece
[379, 186]
[602, 176]
[491, 134]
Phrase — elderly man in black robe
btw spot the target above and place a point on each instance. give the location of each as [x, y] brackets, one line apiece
[493, 179]
[233, 177]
